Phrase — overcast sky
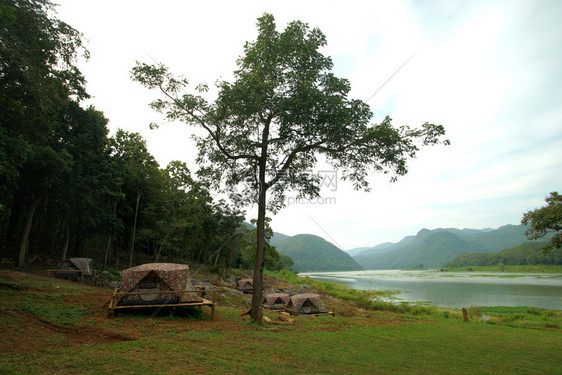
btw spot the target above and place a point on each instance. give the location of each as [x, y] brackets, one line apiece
[489, 71]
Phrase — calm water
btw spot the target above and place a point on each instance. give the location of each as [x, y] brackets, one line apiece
[457, 289]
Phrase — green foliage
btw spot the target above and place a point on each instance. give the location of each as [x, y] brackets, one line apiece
[525, 254]
[37, 77]
[284, 109]
[274, 261]
[546, 222]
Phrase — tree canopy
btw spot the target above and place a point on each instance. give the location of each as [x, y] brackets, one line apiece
[546, 222]
[66, 187]
[284, 110]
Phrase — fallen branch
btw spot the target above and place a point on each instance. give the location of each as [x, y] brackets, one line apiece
[284, 318]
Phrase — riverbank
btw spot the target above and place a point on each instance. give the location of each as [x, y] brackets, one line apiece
[51, 326]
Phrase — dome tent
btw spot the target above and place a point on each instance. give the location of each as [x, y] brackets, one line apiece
[245, 285]
[73, 268]
[276, 300]
[307, 303]
[155, 278]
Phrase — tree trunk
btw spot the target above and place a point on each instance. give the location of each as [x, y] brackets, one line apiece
[5, 217]
[108, 247]
[15, 212]
[24, 243]
[260, 250]
[107, 251]
[66, 238]
[134, 230]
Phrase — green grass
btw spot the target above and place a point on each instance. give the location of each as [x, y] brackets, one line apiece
[419, 341]
[45, 300]
[322, 346]
[520, 316]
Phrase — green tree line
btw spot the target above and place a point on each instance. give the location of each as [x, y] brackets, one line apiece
[69, 189]
[530, 253]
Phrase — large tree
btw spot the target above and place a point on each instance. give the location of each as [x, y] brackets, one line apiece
[546, 222]
[284, 110]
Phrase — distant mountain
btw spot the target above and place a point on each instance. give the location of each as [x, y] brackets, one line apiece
[379, 249]
[386, 247]
[433, 248]
[313, 253]
[524, 254]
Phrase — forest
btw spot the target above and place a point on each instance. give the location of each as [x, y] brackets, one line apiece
[68, 188]
[530, 253]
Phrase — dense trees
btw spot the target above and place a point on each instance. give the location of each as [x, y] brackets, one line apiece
[284, 110]
[546, 222]
[66, 188]
[529, 253]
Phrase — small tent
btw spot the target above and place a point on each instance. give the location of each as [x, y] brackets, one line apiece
[276, 300]
[151, 279]
[74, 267]
[306, 304]
[245, 285]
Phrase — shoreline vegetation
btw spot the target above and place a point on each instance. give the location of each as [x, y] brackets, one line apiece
[529, 268]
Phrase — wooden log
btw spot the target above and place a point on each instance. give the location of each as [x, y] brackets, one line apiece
[284, 318]
[273, 322]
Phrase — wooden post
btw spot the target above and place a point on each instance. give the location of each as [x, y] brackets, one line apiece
[464, 314]
[213, 305]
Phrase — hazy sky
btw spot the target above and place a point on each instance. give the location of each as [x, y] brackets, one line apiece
[489, 71]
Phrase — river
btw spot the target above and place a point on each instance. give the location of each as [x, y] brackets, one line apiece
[457, 289]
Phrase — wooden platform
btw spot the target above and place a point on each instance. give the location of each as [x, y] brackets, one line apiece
[113, 304]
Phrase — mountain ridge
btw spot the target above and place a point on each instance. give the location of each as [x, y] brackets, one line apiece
[433, 248]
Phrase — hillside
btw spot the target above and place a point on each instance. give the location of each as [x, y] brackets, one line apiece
[433, 248]
[529, 253]
[313, 253]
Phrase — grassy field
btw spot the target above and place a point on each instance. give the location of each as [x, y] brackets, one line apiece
[54, 327]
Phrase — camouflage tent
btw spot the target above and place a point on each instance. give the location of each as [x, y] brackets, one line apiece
[74, 267]
[276, 300]
[245, 285]
[306, 304]
[156, 277]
